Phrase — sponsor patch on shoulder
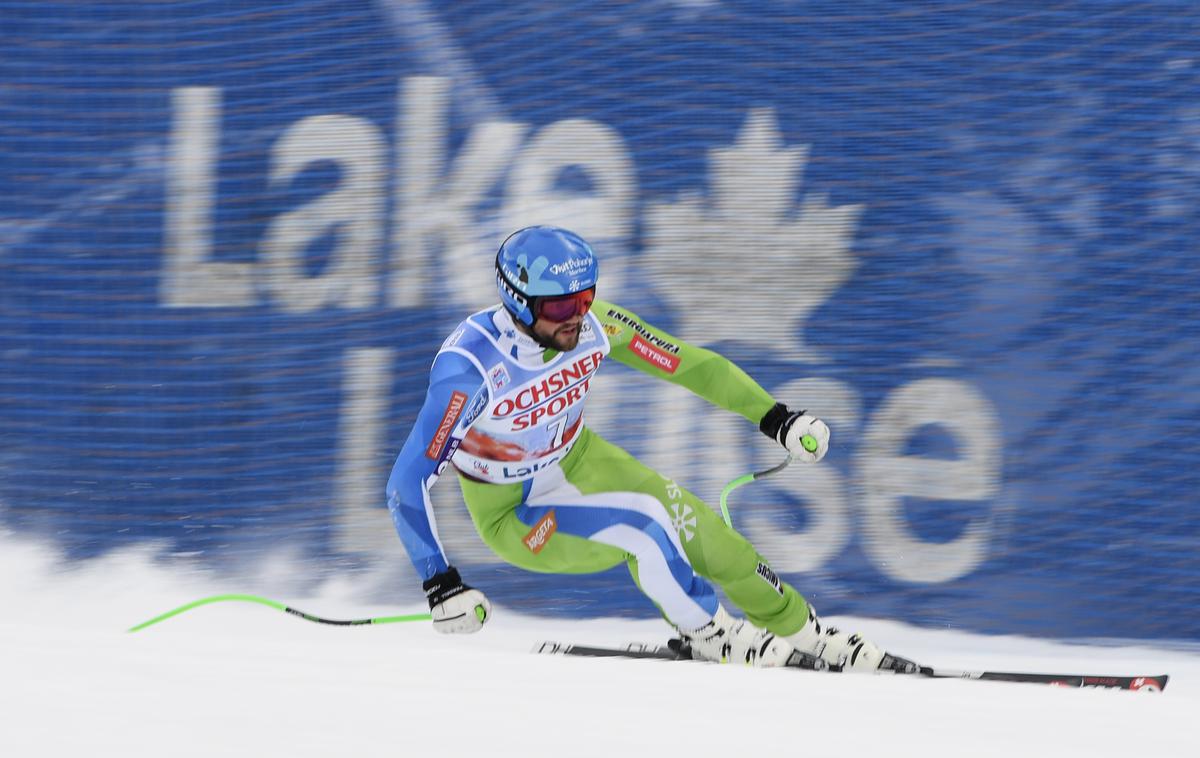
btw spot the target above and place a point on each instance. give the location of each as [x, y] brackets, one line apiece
[453, 410]
[646, 334]
[478, 405]
[541, 533]
[498, 376]
[653, 355]
[612, 330]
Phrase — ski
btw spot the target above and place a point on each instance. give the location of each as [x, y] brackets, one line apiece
[632, 650]
[676, 650]
[1134, 683]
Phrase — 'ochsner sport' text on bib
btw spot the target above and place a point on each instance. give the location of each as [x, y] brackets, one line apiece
[536, 408]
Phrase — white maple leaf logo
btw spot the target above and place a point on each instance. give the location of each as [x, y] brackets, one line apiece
[745, 265]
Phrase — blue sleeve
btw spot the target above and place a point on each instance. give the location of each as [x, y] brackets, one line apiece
[456, 396]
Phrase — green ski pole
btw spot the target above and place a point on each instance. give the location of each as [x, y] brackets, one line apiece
[280, 607]
[745, 479]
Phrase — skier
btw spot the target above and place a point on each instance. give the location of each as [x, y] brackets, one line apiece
[505, 408]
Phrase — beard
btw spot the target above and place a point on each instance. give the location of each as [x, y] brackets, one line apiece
[565, 343]
[564, 339]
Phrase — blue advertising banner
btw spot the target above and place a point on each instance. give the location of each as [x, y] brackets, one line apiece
[233, 234]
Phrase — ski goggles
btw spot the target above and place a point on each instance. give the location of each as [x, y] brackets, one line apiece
[565, 307]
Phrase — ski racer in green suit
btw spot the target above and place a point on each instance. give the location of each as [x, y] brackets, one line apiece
[505, 408]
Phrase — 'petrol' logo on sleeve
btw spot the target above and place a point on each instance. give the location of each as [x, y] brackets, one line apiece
[653, 355]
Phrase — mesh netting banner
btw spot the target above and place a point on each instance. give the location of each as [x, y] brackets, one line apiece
[233, 234]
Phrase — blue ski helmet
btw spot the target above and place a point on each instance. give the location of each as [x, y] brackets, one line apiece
[542, 261]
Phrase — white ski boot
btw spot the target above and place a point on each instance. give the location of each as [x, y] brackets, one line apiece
[849, 652]
[726, 639]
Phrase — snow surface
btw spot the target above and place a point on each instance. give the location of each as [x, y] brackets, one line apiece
[234, 679]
